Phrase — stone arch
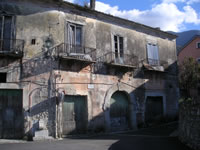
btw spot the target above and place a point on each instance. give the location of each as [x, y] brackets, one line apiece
[128, 90]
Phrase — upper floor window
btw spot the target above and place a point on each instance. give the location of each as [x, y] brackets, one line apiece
[119, 47]
[198, 60]
[152, 54]
[198, 44]
[75, 38]
[6, 32]
[3, 77]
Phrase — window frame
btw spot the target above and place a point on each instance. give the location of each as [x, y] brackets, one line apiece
[153, 61]
[12, 30]
[73, 45]
[119, 45]
[198, 60]
[12, 25]
[3, 77]
[75, 33]
[198, 45]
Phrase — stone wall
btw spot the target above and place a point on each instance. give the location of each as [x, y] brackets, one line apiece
[189, 124]
[42, 78]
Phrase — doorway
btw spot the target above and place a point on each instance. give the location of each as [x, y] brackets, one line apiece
[74, 115]
[119, 111]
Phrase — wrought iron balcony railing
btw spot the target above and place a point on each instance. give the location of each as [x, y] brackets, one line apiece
[69, 51]
[119, 59]
[11, 47]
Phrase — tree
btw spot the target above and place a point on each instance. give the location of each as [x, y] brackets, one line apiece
[189, 75]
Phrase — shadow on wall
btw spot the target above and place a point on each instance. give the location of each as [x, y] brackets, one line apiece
[44, 64]
[44, 112]
[118, 113]
[43, 116]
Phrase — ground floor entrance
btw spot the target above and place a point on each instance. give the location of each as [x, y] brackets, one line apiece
[11, 114]
[119, 111]
[153, 108]
[74, 114]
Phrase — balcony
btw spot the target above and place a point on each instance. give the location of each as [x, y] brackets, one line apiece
[75, 52]
[120, 60]
[11, 47]
[154, 64]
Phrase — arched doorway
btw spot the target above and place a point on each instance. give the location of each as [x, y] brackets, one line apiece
[119, 111]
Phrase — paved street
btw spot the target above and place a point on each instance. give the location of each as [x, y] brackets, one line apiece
[146, 139]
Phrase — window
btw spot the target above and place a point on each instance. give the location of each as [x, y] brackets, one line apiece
[33, 41]
[3, 77]
[152, 54]
[198, 91]
[198, 60]
[119, 48]
[6, 32]
[198, 44]
[75, 38]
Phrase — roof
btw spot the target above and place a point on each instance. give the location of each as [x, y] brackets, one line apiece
[77, 9]
[97, 13]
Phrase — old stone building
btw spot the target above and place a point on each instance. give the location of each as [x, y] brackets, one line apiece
[68, 69]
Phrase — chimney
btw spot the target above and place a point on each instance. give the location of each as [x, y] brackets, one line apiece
[92, 4]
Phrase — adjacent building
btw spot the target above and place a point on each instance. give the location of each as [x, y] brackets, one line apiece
[190, 49]
[67, 69]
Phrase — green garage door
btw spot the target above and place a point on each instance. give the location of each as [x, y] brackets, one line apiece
[11, 116]
[74, 115]
[119, 111]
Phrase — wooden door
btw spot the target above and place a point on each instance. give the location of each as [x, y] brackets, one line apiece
[154, 108]
[11, 115]
[74, 115]
[119, 111]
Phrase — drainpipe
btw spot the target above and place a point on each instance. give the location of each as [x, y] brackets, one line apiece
[92, 4]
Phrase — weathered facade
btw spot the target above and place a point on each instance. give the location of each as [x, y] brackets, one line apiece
[77, 70]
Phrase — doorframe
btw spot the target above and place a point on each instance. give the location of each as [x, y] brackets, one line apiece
[60, 113]
[129, 106]
[154, 93]
[132, 104]
[15, 87]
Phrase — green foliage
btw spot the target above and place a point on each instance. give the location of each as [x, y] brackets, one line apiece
[185, 100]
[189, 74]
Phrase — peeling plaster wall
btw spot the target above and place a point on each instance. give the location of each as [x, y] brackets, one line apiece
[41, 77]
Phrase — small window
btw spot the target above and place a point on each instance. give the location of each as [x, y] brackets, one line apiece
[152, 54]
[119, 49]
[198, 91]
[33, 41]
[198, 60]
[3, 77]
[198, 45]
[119, 45]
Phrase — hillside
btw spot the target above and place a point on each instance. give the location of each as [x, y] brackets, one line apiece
[184, 37]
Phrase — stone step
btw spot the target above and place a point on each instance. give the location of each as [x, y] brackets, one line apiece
[42, 135]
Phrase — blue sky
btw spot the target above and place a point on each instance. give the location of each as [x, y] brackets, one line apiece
[169, 15]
